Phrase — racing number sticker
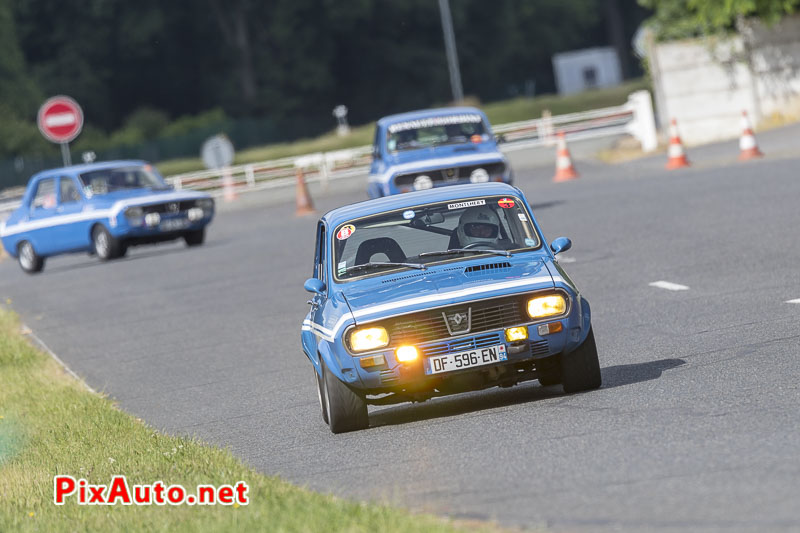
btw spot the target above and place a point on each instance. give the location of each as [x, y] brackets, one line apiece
[505, 203]
[345, 232]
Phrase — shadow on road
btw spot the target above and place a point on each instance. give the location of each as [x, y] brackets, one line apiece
[613, 376]
[620, 375]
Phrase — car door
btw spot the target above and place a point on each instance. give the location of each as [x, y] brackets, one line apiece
[73, 230]
[317, 301]
[42, 213]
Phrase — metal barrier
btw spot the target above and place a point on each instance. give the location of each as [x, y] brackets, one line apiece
[635, 118]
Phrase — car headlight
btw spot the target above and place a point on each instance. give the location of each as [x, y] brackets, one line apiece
[205, 203]
[134, 212]
[371, 338]
[479, 175]
[543, 306]
[423, 182]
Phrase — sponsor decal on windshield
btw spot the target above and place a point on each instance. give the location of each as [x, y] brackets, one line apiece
[434, 121]
[505, 203]
[408, 215]
[345, 232]
[461, 205]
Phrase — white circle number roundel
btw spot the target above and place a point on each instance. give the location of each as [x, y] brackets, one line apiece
[60, 119]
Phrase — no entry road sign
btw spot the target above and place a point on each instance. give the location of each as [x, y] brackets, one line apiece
[60, 119]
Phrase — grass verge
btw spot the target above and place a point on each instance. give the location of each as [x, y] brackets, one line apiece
[522, 108]
[49, 424]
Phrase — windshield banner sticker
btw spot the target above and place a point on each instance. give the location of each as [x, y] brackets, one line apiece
[345, 232]
[505, 203]
[433, 121]
[461, 205]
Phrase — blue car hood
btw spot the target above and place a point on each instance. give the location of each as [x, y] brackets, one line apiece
[447, 150]
[152, 195]
[444, 285]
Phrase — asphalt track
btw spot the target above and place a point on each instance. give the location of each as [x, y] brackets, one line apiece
[696, 428]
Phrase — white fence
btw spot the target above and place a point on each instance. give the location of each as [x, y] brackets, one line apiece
[635, 118]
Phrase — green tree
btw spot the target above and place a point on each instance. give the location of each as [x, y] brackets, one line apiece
[676, 19]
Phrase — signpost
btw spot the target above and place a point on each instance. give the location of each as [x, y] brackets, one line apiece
[60, 119]
[217, 153]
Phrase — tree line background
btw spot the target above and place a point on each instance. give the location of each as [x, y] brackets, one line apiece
[153, 68]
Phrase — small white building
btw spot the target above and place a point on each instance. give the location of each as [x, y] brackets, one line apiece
[591, 68]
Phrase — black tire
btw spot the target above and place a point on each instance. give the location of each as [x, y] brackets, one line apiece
[321, 394]
[29, 261]
[580, 370]
[347, 410]
[551, 378]
[106, 246]
[195, 238]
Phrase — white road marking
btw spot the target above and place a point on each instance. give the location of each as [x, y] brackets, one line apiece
[795, 301]
[669, 286]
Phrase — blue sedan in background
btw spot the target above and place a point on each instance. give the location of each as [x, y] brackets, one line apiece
[433, 148]
[439, 292]
[101, 208]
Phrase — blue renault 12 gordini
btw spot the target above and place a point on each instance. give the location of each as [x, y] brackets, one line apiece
[438, 292]
[434, 148]
[101, 208]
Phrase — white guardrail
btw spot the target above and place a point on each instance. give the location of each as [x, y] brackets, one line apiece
[635, 118]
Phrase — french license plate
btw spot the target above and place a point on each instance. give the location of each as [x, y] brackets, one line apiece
[458, 361]
[172, 224]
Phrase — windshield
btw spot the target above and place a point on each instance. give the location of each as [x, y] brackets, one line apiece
[431, 233]
[114, 179]
[436, 131]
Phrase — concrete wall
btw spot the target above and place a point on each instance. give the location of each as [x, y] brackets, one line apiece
[569, 69]
[706, 84]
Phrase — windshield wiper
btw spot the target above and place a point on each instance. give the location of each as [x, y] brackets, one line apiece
[366, 266]
[454, 251]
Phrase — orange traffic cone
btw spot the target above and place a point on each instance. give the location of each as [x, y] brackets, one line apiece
[748, 148]
[676, 153]
[564, 169]
[304, 205]
[227, 185]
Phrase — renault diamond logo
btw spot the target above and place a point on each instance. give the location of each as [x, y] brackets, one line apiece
[450, 174]
[458, 322]
[172, 207]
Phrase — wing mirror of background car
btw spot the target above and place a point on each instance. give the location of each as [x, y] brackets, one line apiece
[314, 285]
[500, 138]
[561, 244]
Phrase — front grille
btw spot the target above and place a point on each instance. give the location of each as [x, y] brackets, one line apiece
[458, 174]
[183, 205]
[462, 345]
[425, 326]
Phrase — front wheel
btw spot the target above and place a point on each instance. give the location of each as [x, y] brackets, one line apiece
[347, 410]
[105, 245]
[195, 238]
[580, 370]
[29, 261]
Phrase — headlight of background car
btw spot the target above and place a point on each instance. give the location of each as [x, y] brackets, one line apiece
[364, 339]
[134, 212]
[422, 182]
[205, 203]
[543, 306]
[479, 175]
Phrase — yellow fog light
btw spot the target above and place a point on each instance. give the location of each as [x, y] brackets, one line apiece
[543, 306]
[368, 339]
[517, 334]
[406, 354]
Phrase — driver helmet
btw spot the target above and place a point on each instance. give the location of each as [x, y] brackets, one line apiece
[478, 224]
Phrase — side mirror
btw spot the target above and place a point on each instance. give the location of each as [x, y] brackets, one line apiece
[314, 285]
[561, 244]
[499, 139]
